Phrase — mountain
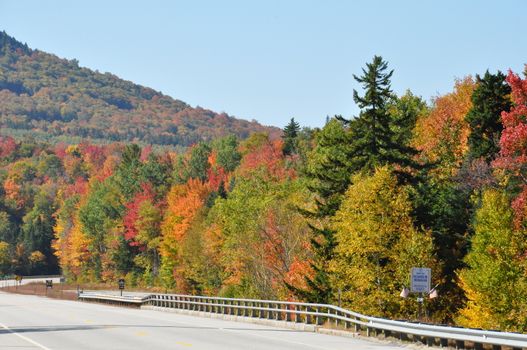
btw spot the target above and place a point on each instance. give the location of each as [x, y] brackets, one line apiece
[57, 100]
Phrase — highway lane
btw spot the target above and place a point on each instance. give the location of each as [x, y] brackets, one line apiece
[30, 322]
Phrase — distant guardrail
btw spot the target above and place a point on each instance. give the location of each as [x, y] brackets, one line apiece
[319, 314]
[9, 281]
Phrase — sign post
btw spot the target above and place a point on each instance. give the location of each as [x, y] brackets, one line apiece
[121, 285]
[420, 283]
[49, 284]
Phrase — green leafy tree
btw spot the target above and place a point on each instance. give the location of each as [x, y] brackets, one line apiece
[7, 229]
[149, 236]
[228, 156]
[489, 99]
[37, 229]
[99, 216]
[405, 111]
[129, 174]
[158, 173]
[195, 165]
[495, 279]
[5, 258]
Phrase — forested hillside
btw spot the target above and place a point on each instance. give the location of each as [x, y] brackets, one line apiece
[55, 99]
[337, 213]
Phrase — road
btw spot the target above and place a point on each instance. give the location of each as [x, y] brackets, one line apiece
[30, 322]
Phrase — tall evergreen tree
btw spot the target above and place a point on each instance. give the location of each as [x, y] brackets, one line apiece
[290, 137]
[489, 99]
[376, 134]
[328, 172]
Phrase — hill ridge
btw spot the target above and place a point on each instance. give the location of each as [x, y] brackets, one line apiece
[54, 98]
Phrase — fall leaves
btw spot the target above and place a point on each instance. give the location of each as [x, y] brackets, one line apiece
[316, 214]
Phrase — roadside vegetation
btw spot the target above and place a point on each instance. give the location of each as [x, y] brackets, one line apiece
[337, 213]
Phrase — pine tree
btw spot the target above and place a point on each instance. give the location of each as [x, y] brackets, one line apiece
[328, 173]
[376, 135]
[290, 137]
[489, 99]
[373, 134]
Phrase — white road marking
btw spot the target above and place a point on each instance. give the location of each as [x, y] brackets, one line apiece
[24, 337]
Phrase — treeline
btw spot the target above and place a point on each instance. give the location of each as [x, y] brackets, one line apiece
[54, 99]
[337, 213]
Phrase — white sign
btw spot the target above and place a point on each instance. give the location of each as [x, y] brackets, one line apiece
[420, 278]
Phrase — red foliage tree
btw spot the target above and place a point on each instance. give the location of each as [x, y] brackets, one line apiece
[132, 213]
[513, 153]
[260, 153]
[7, 146]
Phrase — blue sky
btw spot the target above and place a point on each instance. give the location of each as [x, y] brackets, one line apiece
[272, 60]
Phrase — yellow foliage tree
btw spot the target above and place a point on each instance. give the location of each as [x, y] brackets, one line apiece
[377, 244]
[495, 281]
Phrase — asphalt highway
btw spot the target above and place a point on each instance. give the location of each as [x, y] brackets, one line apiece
[30, 322]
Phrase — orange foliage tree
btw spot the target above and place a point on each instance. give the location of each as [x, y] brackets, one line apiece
[442, 135]
[183, 204]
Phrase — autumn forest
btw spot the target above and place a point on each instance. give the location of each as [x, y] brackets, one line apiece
[102, 179]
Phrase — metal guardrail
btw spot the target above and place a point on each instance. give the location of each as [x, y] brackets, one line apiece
[113, 299]
[319, 314]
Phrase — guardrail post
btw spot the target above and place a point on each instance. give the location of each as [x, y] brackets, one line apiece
[288, 312]
[319, 320]
[357, 325]
[430, 342]
[347, 325]
[279, 313]
[260, 311]
[245, 310]
[460, 344]
[298, 317]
